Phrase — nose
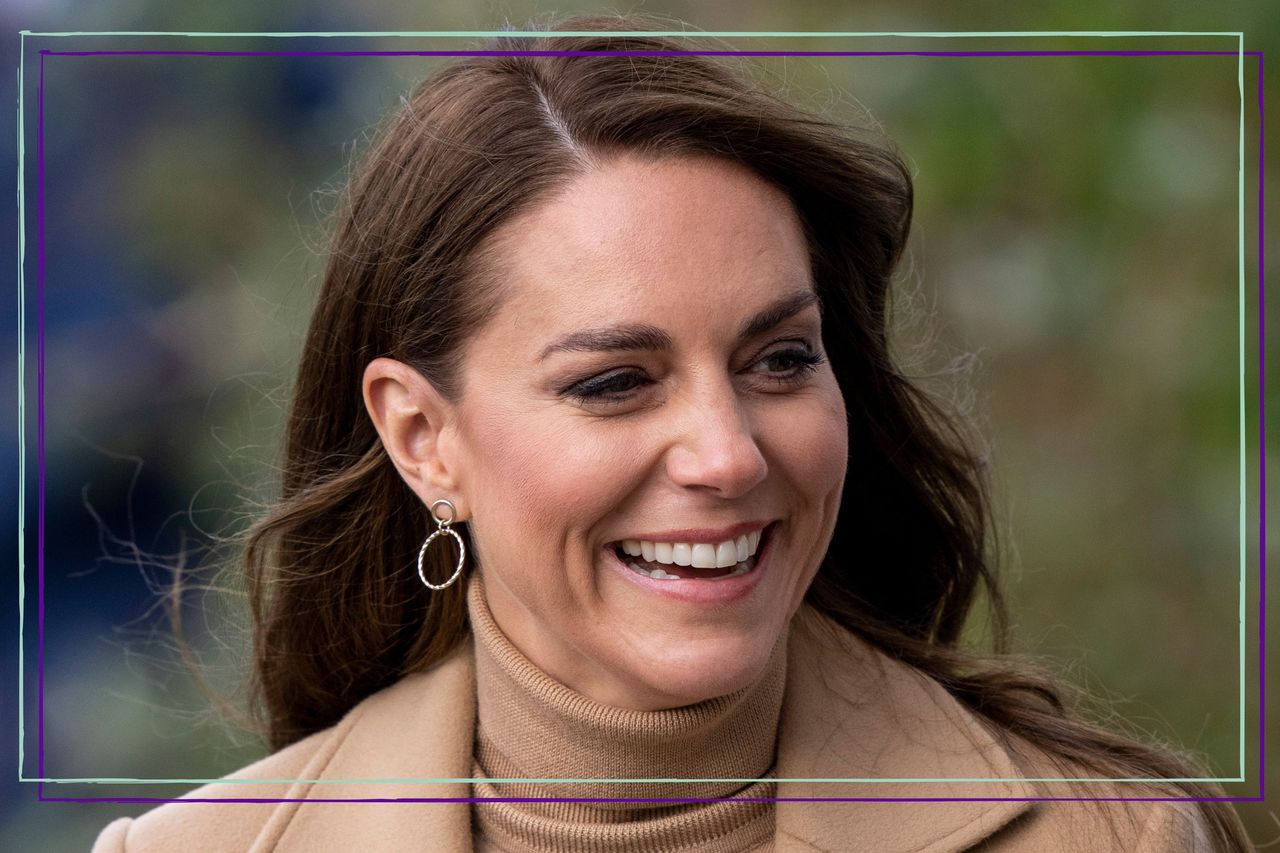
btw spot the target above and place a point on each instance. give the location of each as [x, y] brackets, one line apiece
[716, 449]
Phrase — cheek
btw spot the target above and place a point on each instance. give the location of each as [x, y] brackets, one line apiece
[811, 443]
[543, 481]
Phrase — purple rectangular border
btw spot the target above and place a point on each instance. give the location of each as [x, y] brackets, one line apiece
[40, 283]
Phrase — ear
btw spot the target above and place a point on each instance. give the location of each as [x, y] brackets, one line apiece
[416, 425]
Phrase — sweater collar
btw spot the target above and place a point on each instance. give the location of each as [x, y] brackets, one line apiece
[531, 726]
[849, 712]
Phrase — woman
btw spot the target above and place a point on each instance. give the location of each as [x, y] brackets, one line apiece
[598, 468]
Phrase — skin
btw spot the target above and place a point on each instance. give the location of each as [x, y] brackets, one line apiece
[708, 434]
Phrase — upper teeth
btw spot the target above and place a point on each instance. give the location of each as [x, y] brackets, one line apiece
[700, 555]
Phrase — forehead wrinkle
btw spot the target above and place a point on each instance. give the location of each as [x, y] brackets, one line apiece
[639, 232]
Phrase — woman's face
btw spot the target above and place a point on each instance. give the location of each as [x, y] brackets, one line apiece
[655, 372]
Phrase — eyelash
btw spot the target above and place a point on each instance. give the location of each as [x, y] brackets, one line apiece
[604, 390]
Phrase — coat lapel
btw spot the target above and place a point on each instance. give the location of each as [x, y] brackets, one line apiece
[849, 712]
[852, 712]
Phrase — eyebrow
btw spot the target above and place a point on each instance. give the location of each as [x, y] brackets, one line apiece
[643, 336]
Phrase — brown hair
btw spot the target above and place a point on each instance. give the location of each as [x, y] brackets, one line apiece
[338, 609]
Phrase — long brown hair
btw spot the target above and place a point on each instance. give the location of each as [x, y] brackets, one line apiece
[338, 610]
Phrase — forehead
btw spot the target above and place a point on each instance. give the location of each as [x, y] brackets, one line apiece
[686, 235]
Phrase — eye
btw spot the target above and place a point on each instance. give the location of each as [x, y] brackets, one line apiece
[791, 367]
[796, 365]
[611, 387]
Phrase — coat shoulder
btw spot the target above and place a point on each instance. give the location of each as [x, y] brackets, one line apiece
[255, 807]
[1107, 816]
[950, 740]
[1115, 827]
[215, 817]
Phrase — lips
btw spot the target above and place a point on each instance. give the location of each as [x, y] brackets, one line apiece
[702, 535]
[702, 548]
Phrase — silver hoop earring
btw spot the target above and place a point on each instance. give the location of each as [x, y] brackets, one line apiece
[443, 526]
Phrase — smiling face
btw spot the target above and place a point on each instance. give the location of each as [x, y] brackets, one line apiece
[654, 372]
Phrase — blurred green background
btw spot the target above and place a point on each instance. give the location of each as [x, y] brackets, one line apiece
[1071, 287]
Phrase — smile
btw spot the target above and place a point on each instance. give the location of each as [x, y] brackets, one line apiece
[673, 561]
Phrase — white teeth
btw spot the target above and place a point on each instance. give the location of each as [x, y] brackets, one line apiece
[726, 555]
[704, 556]
[697, 554]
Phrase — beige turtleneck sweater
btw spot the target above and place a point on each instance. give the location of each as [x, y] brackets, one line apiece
[529, 726]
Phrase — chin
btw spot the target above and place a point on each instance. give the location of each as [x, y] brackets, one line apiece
[716, 669]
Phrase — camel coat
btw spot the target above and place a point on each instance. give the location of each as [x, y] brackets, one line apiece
[848, 712]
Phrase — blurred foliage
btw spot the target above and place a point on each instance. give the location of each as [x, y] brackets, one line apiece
[1071, 287]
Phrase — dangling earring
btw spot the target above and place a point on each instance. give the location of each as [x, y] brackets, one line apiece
[443, 526]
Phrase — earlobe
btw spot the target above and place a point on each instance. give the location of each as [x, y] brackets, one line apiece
[411, 417]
